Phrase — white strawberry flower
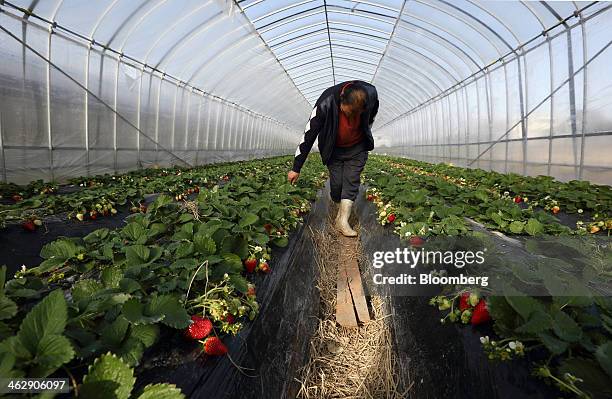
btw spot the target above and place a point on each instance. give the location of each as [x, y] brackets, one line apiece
[258, 249]
[484, 340]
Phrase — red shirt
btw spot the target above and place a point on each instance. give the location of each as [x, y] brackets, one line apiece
[349, 132]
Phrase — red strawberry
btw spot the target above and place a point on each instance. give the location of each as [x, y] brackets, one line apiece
[230, 318]
[370, 197]
[29, 226]
[391, 218]
[251, 290]
[264, 267]
[464, 301]
[416, 241]
[250, 265]
[196, 189]
[268, 227]
[17, 197]
[199, 328]
[214, 346]
[480, 314]
[518, 199]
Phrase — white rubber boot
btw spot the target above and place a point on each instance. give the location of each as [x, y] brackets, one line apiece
[342, 218]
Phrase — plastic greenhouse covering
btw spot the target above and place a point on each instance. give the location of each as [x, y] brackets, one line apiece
[108, 86]
[168, 230]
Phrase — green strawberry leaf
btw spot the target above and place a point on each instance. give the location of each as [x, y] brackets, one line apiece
[161, 391]
[53, 351]
[133, 311]
[248, 219]
[114, 333]
[517, 227]
[174, 315]
[85, 290]
[534, 227]
[239, 282]
[108, 377]
[111, 277]
[8, 308]
[63, 248]
[538, 322]
[566, 328]
[280, 242]
[131, 351]
[554, 345]
[523, 305]
[129, 285]
[604, 357]
[147, 334]
[204, 244]
[48, 317]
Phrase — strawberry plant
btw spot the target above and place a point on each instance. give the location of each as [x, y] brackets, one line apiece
[171, 262]
[571, 327]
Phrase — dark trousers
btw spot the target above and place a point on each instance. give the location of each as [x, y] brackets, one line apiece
[345, 167]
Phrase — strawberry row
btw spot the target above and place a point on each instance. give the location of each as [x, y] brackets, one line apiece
[588, 203]
[181, 264]
[100, 196]
[573, 332]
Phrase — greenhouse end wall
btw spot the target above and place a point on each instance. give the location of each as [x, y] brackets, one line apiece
[505, 119]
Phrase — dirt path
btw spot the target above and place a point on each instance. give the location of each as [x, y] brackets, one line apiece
[356, 362]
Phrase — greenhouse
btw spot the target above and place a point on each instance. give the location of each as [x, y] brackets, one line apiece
[305, 199]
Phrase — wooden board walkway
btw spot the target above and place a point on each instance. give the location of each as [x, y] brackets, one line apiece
[351, 305]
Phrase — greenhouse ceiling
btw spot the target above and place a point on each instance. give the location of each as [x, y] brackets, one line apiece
[515, 86]
[411, 50]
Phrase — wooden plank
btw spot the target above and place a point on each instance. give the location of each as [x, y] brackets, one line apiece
[345, 314]
[359, 300]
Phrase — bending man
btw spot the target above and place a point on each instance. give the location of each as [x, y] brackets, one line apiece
[341, 119]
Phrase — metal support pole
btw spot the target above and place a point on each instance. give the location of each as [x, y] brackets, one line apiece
[209, 124]
[86, 83]
[584, 98]
[216, 132]
[524, 104]
[490, 104]
[199, 123]
[49, 130]
[188, 108]
[467, 124]
[173, 129]
[507, 116]
[116, 94]
[157, 119]
[479, 114]
[552, 105]
[4, 179]
[138, 117]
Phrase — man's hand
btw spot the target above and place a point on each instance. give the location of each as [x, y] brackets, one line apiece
[292, 176]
